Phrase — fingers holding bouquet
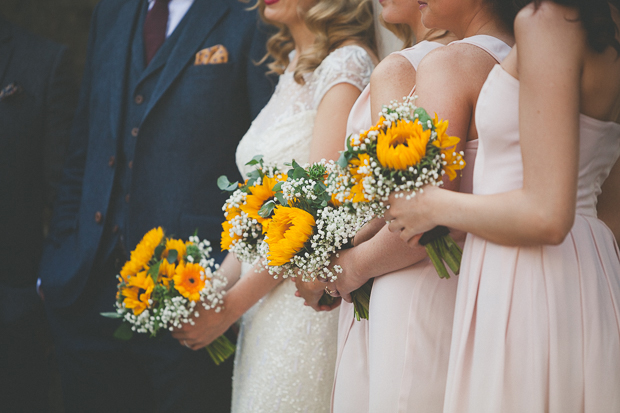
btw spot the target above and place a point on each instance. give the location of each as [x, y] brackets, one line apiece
[410, 218]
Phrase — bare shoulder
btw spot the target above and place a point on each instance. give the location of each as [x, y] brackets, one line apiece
[391, 67]
[457, 65]
[550, 20]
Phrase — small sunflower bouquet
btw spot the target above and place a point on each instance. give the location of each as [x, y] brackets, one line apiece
[247, 210]
[404, 151]
[308, 226]
[162, 284]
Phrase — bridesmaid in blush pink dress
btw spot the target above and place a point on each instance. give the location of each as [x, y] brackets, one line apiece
[536, 327]
[397, 361]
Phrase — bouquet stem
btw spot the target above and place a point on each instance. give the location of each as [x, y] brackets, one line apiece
[326, 299]
[441, 248]
[361, 300]
[220, 349]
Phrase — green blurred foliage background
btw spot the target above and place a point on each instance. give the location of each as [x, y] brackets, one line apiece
[64, 21]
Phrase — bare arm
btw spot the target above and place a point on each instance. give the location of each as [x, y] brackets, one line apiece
[239, 299]
[608, 206]
[549, 64]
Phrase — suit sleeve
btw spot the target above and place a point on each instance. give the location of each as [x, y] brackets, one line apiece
[260, 85]
[60, 106]
[67, 202]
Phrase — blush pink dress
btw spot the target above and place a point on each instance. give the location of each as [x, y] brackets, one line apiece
[536, 329]
[397, 361]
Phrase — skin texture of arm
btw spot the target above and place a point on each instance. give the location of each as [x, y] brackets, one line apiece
[326, 142]
[549, 64]
[382, 252]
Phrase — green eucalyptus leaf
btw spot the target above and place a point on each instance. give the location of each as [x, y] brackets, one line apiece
[278, 187]
[255, 160]
[343, 160]
[112, 315]
[225, 185]
[172, 256]
[123, 332]
[423, 116]
[267, 208]
[160, 248]
[154, 271]
[280, 198]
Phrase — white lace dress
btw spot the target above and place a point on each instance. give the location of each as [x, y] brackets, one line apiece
[286, 351]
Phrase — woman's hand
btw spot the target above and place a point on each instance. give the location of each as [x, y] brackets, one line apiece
[411, 217]
[350, 279]
[312, 292]
[208, 326]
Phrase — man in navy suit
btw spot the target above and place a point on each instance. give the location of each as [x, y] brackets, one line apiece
[169, 89]
[37, 102]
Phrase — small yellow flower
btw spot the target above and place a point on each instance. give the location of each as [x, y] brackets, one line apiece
[143, 253]
[360, 169]
[402, 145]
[228, 237]
[189, 280]
[454, 162]
[376, 127]
[443, 140]
[259, 194]
[166, 272]
[447, 144]
[288, 232]
[175, 244]
[138, 292]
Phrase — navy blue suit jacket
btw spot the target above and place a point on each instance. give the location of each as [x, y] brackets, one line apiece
[187, 137]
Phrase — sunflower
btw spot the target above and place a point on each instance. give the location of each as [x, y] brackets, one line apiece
[443, 140]
[454, 161]
[175, 244]
[259, 194]
[402, 145]
[289, 230]
[189, 280]
[166, 272]
[360, 169]
[377, 127]
[228, 237]
[138, 292]
[143, 253]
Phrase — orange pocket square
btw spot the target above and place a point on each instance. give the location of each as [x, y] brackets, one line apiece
[212, 55]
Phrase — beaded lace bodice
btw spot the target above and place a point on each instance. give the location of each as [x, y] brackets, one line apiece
[282, 131]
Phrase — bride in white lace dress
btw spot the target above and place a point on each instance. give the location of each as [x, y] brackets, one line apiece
[286, 352]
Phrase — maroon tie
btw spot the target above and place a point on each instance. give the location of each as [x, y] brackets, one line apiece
[155, 26]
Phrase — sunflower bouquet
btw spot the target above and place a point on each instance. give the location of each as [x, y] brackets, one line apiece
[308, 226]
[248, 208]
[404, 151]
[162, 284]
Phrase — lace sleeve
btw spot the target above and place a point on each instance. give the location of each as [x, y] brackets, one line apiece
[348, 64]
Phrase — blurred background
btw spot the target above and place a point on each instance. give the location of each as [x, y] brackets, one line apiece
[63, 21]
[66, 22]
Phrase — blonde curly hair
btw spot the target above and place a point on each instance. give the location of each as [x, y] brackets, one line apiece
[333, 22]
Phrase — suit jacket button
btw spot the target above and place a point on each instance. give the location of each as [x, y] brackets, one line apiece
[127, 198]
[139, 99]
[130, 165]
[134, 132]
[111, 161]
[115, 229]
[98, 217]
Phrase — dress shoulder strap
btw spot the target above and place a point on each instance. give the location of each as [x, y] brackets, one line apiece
[492, 45]
[416, 53]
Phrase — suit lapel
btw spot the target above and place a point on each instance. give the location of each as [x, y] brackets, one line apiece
[124, 26]
[201, 19]
[6, 50]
